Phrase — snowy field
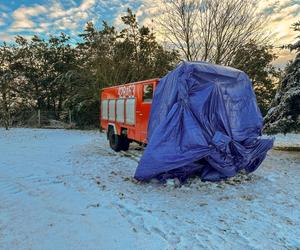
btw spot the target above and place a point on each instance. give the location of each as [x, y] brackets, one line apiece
[67, 190]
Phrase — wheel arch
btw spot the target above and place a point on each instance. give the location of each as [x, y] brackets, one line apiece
[112, 127]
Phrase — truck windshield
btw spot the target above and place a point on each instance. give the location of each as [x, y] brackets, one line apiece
[148, 93]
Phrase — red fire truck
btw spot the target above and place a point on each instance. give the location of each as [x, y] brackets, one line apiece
[125, 111]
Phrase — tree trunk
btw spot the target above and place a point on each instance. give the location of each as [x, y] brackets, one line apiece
[5, 109]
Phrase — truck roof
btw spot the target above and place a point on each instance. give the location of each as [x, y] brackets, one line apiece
[144, 81]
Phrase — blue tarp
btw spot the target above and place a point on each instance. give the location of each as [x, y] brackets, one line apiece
[204, 121]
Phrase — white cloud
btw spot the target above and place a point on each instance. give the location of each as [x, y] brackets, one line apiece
[69, 19]
[57, 10]
[51, 17]
[65, 23]
[2, 22]
[5, 37]
[283, 57]
[282, 14]
[3, 17]
[86, 5]
[23, 17]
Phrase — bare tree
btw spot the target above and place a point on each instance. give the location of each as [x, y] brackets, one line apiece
[211, 30]
[179, 23]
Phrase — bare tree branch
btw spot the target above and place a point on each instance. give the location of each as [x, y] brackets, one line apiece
[211, 30]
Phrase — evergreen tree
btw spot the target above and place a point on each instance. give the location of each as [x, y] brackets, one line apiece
[256, 61]
[284, 115]
[109, 57]
[6, 83]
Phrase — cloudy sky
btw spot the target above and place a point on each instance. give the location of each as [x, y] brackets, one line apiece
[28, 17]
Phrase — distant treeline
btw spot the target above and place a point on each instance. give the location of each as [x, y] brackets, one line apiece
[55, 74]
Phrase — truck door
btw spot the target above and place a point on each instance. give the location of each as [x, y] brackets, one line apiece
[147, 97]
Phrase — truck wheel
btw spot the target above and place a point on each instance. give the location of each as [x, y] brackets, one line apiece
[115, 141]
[125, 143]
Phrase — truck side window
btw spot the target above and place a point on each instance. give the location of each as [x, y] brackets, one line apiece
[104, 109]
[148, 93]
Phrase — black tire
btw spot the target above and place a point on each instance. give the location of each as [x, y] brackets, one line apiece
[125, 143]
[115, 141]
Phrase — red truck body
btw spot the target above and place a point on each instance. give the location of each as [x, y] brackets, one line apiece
[124, 112]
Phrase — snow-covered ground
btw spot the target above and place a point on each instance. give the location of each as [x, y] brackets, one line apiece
[65, 189]
[287, 141]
